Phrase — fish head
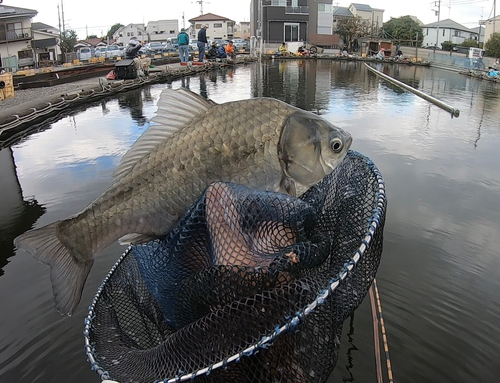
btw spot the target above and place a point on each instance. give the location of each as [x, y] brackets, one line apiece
[311, 148]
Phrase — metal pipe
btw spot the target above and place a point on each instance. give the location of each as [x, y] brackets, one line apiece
[454, 112]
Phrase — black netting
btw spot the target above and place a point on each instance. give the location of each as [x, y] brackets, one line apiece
[244, 288]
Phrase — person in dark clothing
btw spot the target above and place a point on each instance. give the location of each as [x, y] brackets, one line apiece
[202, 42]
[221, 52]
[212, 52]
[132, 49]
[132, 53]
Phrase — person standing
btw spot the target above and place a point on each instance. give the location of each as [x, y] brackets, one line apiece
[202, 42]
[183, 41]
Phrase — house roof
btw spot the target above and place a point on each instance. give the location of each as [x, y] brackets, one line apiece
[362, 7]
[447, 24]
[8, 12]
[209, 17]
[342, 11]
[41, 27]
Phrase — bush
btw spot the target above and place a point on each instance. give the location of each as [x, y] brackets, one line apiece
[447, 45]
[492, 46]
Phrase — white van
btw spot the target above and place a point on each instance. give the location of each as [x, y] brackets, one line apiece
[84, 54]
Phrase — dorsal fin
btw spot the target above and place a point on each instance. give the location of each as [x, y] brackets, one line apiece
[176, 108]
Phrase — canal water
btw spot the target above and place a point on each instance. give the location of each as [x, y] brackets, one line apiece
[439, 279]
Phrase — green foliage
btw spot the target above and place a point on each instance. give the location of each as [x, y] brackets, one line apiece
[351, 29]
[469, 43]
[492, 46]
[68, 41]
[113, 29]
[92, 37]
[447, 45]
[403, 28]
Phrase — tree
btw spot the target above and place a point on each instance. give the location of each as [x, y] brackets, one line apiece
[68, 41]
[113, 29]
[404, 29]
[351, 29]
[492, 46]
[469, 43]
[92, 37]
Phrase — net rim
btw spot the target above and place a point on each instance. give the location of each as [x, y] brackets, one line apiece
[290, 323]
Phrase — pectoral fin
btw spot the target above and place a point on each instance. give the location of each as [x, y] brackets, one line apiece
[287, 185]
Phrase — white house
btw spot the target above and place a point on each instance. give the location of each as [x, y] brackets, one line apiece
[16, 37]
[219, 27]
[123, 35]
[161, 30]
[45, 43]
[449, 30]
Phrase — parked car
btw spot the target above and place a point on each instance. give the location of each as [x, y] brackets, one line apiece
[193, 44]
[100, 51]
[155, 47]
[84, 53]
[241, 44]
[114, 51]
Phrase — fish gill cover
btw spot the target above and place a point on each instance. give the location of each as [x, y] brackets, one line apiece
[249, 286]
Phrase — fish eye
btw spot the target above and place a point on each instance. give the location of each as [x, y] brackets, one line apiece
[336, 145]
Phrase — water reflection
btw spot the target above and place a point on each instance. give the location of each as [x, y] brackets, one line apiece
[17, 214]
[133, 101]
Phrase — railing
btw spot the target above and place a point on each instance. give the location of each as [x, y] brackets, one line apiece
[302, 10]
[17, 34]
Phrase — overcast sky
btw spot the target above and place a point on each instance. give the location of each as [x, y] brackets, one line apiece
[97, 16]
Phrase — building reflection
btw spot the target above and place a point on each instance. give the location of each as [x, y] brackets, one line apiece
[16, 214]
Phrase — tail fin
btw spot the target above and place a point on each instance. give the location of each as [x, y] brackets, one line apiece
[67, 274]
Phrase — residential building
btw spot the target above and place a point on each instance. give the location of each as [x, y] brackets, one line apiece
[45, 43]
[311, 21]
[490, 26]
[279, 21]
[372, 16]
[242, 30]
[123, 35]
[446, 30]
[161, 30]
[16, 37]
[219, 27]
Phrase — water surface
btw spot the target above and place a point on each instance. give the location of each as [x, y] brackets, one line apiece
[439, 278]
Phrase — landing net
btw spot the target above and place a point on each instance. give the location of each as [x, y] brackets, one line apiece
[248, 287]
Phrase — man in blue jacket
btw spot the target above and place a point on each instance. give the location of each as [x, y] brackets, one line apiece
[202, 42]
[183, 41]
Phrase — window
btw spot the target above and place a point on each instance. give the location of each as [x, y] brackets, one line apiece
[217, 25]
[293, 3]
[427, 32]
[139, 33]
[197, 26]
[128, 33]
[456, 33]
[278, 3]
[172, 32]
[291, 32]
[131, 33]
[28, 54]
[443, 32]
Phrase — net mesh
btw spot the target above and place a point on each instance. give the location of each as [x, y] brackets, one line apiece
[248, 287]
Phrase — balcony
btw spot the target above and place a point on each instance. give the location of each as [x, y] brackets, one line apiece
[297, 10]
[15, 35]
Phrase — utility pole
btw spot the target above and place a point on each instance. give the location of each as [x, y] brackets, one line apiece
[438, 14]
[62, 13]
[494, 14]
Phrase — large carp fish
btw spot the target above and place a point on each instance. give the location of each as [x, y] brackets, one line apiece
[261, 143]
